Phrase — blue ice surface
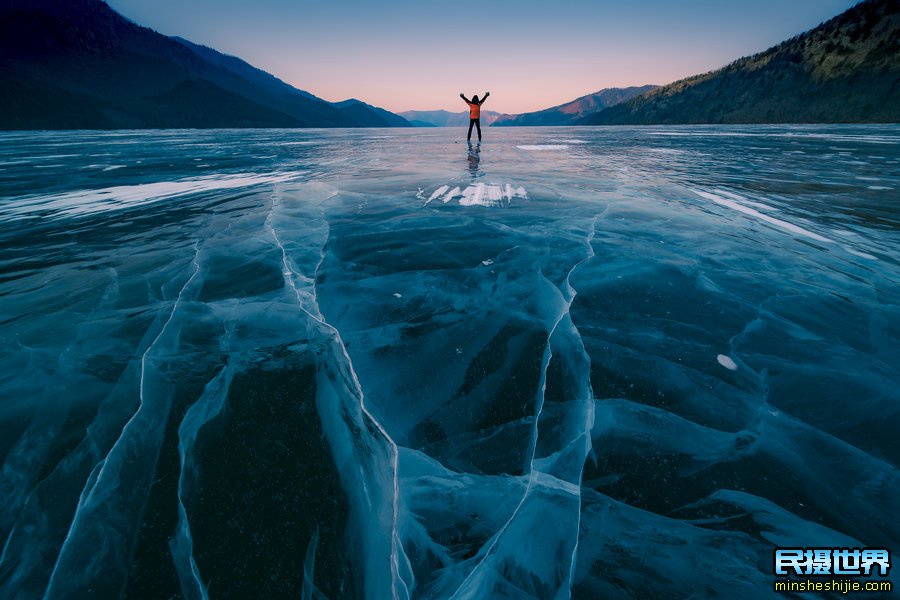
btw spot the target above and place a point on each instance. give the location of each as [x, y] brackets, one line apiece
[569, 362]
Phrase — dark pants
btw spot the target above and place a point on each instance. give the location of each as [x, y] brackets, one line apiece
[477, 123]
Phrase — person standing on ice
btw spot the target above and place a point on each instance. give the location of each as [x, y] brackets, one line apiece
[474, 112]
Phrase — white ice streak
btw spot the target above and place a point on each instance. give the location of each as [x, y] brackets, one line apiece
[831, 137]
[859, 253]
[762, 217]
[745, 201]
[671, 151]
[85, 202]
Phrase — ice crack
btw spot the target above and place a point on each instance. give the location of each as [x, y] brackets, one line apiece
[537, 477]
[289, 274]
[91, 496]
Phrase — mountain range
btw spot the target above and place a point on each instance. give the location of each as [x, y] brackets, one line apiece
[571, 112]
[564, 114]
[77, 64]
[845, 70]
[445, 118]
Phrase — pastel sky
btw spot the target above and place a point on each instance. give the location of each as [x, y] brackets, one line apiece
[530, 54]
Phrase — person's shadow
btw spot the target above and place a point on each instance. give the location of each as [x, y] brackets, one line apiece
[474, 159]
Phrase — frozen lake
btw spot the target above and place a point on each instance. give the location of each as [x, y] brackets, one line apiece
[597, 362]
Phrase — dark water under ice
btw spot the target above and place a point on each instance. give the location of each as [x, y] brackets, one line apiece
[597, 362]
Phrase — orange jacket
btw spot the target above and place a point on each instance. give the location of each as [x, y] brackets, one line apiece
[474, 110]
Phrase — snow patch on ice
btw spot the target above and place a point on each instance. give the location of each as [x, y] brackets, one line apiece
[477, 194]
[451, 195]
[438, 192]
[87, 202]
[474, 194]
[727, 362]
[482, 194]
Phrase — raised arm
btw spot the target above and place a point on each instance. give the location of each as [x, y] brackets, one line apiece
[464, 98]
[485, 97]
